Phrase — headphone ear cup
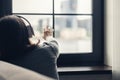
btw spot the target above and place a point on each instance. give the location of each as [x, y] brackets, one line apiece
[28, 27]
[30, 31]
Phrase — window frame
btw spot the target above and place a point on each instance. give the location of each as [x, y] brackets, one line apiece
[83, 59]
[96, 58]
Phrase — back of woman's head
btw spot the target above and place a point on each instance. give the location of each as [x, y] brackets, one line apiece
[13, 36]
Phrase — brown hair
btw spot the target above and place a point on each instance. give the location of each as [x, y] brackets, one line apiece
[14, 37]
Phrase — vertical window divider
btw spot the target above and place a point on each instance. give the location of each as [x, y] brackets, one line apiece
[53, 16]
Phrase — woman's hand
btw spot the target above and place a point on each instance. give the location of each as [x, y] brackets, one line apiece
[47, 32]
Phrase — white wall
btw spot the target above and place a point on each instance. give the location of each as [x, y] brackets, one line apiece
[108, 32]
[116, 39]
[112, 53]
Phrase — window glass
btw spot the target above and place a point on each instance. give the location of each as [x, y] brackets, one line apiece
[32, 6]
[73, 6]
[74, 33]
[39, 22]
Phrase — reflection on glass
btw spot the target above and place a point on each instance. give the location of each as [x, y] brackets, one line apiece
[39, 22]
[74, 33]
[73, 6]
[32, 6]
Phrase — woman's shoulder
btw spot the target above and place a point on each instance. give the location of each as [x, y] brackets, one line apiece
[46, 48]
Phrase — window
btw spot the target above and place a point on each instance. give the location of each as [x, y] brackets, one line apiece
[77, 25]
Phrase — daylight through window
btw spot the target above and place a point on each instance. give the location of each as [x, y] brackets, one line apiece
[70, 19]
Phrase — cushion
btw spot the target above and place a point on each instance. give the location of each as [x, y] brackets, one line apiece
[9, 71]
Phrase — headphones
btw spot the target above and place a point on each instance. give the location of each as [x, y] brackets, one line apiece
[28, 27]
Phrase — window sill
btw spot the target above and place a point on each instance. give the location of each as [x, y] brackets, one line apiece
[84, 70]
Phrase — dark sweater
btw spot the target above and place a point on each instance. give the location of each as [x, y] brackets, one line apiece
[41, 59]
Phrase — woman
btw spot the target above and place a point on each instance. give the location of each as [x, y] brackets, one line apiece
[16, 47]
